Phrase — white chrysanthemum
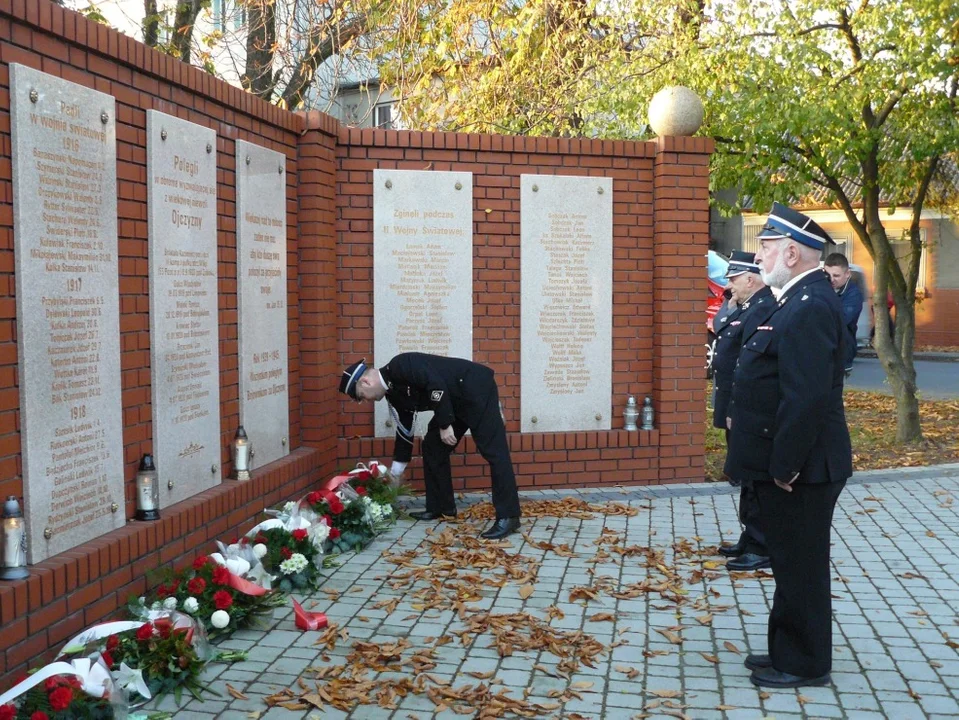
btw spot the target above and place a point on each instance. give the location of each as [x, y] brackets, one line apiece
[259, 550]
[296, 563]
[169, 603]
[319, 532]
[220, 619]
[289, 507]
[191, 605]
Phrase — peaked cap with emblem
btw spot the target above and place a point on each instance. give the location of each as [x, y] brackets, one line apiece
[741, 262]
[350, 377]
[784, 222]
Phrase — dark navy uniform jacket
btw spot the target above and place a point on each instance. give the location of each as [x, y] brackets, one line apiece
[729, 324]
[453, 388]
[787, 408]
[851, 300]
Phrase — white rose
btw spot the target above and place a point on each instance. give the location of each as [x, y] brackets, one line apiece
[259, 550]
[220, 619]
[169, 603]
[157, 605]
[191, 605]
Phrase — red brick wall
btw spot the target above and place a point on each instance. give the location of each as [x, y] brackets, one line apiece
[660, 234]
[85, 585]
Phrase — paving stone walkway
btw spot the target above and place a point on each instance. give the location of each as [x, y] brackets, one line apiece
[896, 608]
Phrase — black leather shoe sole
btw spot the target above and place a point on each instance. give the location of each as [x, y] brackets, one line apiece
[771, 678]
[758, 662]
[748, 562]
[427, 515]
[731, 551]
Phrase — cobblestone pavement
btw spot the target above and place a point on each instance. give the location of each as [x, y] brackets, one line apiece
[895, 584]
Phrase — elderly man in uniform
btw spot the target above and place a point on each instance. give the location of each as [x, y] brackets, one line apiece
[789, 437]
[749, 294]
[462, 396]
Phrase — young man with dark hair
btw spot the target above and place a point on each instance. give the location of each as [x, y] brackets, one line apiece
[840, 276]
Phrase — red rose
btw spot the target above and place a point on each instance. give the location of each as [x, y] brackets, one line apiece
[313, 498]
[200, 562]
[107, 659]
[7, 712]
[61, 698]
[222, 599]
[361, 475]
[286, 553]
[261, 538]
[145, 632]
[38, 715]
[336, 507]
[221, 576]
[360, 490]
[73, 681]
[52, 683]
[164, 626]
[113, 642]
[163, 592]
[328, 520]
[300, 534]
[196, 586]
[334, 533]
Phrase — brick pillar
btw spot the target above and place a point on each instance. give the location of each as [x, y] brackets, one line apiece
[680, 241]
[319, 374]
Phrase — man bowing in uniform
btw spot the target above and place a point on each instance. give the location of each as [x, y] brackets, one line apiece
[788, 435]
[748, 295]
[462, 396]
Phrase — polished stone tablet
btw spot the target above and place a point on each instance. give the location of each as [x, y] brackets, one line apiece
[422, 270]
[566, 270]
[261, 291]
[184, 327]
[68, 305]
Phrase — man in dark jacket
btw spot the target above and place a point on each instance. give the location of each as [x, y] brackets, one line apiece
[463, 396]
[748, 295]
[840, 276]
[789, 436]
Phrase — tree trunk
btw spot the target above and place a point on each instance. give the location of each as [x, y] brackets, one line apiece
[183, 22]
[151, 23]
[260, 48]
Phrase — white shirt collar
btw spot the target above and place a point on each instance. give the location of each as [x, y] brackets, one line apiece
[382, 381]
[779, 293]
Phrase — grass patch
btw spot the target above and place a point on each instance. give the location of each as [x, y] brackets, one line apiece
[872, 429]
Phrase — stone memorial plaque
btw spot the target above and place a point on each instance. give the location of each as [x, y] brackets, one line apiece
[422, 270]
[68, 310]
[184, 326]
[261, 291]
[566, 237]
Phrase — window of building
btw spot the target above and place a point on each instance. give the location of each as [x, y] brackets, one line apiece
[901, 249]
[383, 116]
[228, 15]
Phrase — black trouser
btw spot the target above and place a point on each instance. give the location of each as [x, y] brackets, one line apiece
[752, 535]
[489, 434]
[797, 528]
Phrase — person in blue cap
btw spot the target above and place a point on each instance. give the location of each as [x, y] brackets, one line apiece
[463, 396]
[748, 294]
[788, 435]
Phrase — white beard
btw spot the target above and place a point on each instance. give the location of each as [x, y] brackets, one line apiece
[779, 275]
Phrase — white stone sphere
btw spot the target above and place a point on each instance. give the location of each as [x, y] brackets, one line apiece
[675, 110]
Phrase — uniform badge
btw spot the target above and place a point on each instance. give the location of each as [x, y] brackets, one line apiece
[734, 323]
[804, 297]
[436, 395]
[765, 327]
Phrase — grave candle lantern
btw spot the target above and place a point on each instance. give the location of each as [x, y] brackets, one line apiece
[242, 453]
[14, 542]
[148, 490]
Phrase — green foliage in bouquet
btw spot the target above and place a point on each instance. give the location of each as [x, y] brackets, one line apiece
[291, 555]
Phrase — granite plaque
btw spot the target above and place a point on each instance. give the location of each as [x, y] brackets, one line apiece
[261, 290]
[68, 307]
[566, 236]
[184, 327]
[422, 270]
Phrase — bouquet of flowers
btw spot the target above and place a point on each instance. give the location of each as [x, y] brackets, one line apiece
[377, 491]
[82, 690]
[293, 557]
[149, 659]
[210, 593]
[349, 519]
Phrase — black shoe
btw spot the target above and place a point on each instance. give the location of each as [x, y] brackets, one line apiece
[758, 662]
[501, 528]
[427, 515]
[735, 482]
[772, 678]
[733, 551]
[748, 561]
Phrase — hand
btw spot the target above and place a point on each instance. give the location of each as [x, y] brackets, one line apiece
[447, 435]
[786, 485]
[729, 423]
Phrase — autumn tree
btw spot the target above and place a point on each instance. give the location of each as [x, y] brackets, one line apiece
[857, 102]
